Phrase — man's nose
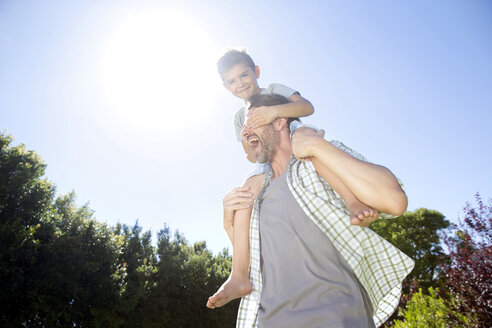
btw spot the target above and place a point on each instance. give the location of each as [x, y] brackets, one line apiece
[245, 131]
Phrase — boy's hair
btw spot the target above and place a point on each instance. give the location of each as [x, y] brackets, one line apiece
[259, 100]
[233, 57]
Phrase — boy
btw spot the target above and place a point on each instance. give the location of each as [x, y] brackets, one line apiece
[240, 76]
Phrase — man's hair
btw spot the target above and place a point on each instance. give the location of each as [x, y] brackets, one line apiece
[233, 57]
[259, 99]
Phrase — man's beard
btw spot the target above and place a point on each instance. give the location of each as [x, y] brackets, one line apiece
[267, 151]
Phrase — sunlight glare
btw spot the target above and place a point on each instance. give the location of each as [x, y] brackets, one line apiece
[159, 66]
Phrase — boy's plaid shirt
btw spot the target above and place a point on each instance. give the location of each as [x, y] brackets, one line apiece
[379, 266]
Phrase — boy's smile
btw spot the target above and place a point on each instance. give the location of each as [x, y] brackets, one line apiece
[242, 81]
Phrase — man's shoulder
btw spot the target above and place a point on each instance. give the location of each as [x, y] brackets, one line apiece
[306, 168]
[299, 167]
[340, 145]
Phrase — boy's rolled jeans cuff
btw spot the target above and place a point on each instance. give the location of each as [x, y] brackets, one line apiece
[294, 125]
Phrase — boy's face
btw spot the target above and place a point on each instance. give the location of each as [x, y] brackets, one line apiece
[241, 81]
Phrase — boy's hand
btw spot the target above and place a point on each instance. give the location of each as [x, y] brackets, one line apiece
[260, 116]
[237, 199]
[304, 140]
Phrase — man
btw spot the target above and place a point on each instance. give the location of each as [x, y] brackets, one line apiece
[310, 267]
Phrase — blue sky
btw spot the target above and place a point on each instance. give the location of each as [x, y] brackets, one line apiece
[121, 98]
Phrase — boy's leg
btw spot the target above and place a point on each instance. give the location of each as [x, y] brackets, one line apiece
[238, 283]
[360, 213]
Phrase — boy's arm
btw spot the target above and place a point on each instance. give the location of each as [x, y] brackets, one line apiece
[297, 107]
[237, 199]
[372, 184]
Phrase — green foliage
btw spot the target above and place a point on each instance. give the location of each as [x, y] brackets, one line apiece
[59, 267]
[186, 277]
[77, 263]
[25, 201]
[430, 311]
[417, 234]
[137, 264]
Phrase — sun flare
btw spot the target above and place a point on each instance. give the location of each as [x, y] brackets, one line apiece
[159, 65]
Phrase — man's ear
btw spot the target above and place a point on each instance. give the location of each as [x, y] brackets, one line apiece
[280, 123]
[257, 71]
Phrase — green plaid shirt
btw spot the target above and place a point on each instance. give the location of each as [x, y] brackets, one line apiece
[379, 266]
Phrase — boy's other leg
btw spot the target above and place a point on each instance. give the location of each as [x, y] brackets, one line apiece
[360, 213]
[238, 283]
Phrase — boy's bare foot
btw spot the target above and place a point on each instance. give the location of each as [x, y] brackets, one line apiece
[231, 289]
[362, 215]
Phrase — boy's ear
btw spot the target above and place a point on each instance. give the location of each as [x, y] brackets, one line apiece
[257, 71]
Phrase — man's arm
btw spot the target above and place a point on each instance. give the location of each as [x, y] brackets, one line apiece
[372, 184]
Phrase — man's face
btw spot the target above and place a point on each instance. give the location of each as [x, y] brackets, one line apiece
[262, 141]
[242, 81]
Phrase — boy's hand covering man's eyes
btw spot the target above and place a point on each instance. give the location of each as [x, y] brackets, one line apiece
[259, 116]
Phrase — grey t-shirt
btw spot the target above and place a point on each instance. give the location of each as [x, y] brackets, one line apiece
[306, 283]
[274, 88]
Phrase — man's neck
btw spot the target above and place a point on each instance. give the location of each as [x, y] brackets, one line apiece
[282, 156]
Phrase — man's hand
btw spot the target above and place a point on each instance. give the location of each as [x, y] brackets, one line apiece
[237, 199]
[260, 116]
[303, 140]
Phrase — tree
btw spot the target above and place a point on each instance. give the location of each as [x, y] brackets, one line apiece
[186, 277]
[417, 234]
[75, 281]
[137, 264]
[25, 201]
[429, 311]
[57, 263]
[468, 272]
[59, 267]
